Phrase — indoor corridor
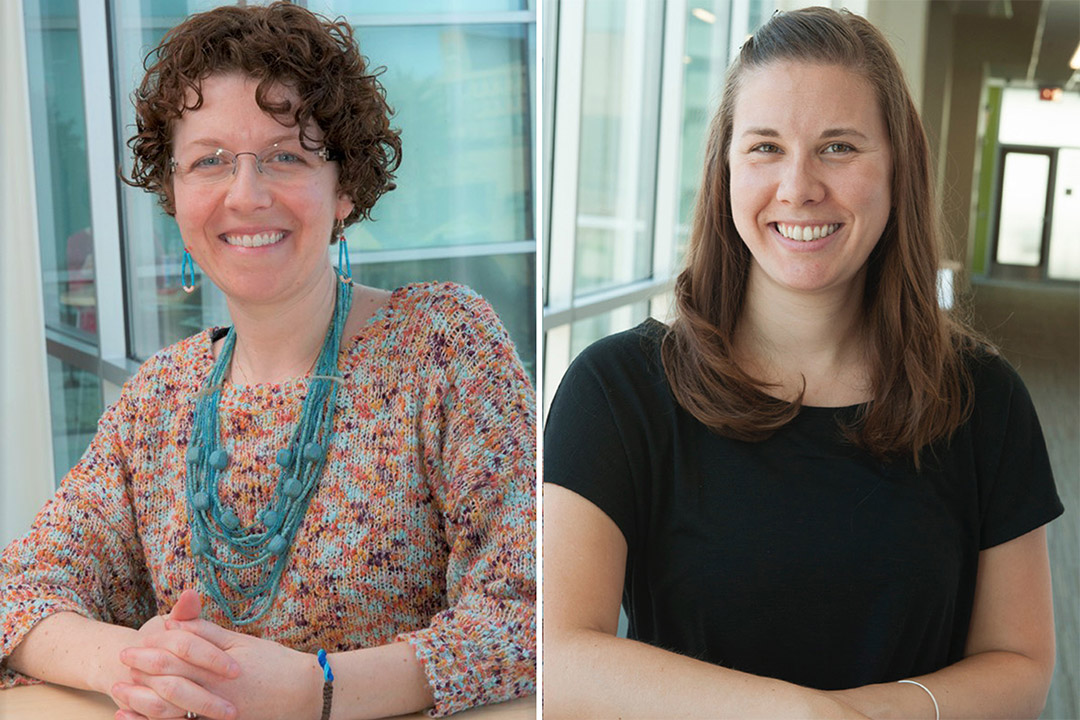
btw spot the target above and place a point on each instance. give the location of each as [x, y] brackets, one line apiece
[1037, 328]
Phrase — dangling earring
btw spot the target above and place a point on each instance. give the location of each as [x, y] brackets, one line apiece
[344, 266]
[187, 272]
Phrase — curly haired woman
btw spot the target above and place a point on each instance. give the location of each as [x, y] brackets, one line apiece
[345, 469]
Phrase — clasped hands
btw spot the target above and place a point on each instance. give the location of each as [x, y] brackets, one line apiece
[185, 664]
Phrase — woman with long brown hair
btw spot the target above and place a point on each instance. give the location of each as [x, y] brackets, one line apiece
[816, 494]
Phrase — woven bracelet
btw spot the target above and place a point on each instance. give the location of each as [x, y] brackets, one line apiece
[328, 685]
[327, 699]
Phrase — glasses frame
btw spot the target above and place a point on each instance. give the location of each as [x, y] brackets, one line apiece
[322, 153]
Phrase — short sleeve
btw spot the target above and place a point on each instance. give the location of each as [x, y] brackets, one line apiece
[1016, 483]
[591, 445]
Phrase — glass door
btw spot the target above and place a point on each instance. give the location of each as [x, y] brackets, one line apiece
[1023, 210]
[1038, 213]
[1063, 262]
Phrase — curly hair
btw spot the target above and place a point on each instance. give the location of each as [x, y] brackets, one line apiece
[278, 45]
[921, 383]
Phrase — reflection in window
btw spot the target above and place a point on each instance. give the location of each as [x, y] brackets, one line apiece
[75, 403]
[63, 195]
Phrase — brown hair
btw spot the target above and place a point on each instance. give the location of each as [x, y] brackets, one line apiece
[920, 383]
[279, 44]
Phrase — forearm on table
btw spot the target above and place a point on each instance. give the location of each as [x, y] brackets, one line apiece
[589, 673]
[69, 649]
[377, 682]
[995, 684]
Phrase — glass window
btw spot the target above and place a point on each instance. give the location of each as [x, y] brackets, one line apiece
[62, 186]
[75, 401]
[58, 125]
[416, 7]
[585, 332]
[159, 311]
[648, 78]
[619, 114]
[705, 63]
[502, 280]
[461, 99]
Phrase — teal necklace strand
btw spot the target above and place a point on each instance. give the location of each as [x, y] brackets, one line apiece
[223, 548]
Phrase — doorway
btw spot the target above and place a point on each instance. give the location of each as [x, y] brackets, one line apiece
[1038, 201]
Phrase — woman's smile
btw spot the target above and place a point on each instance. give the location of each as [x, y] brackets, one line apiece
[806, 233]
[253, 239]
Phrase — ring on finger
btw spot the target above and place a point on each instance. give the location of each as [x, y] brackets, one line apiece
[189, 715]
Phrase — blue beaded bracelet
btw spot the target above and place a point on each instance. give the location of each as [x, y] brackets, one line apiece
[328, 684]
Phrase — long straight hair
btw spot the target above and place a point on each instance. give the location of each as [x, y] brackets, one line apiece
[921, 387]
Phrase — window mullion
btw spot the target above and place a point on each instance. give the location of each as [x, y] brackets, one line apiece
[565, 157]
[665, 218]
[101, 165]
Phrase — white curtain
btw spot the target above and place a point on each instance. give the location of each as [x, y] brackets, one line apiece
[26, 464]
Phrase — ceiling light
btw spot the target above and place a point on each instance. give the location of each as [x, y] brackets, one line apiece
[1075, 62]
[703, 15]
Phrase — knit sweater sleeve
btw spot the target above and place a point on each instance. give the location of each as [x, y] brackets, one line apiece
[480, 457]
[82, 552]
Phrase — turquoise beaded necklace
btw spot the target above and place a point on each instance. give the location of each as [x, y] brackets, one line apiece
[265, 543]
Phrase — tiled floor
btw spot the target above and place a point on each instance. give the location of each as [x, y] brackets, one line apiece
[1038, 331]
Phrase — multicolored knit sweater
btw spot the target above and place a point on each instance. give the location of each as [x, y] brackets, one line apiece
[422, 527]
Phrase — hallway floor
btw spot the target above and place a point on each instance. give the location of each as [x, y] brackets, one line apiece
[1037, 329]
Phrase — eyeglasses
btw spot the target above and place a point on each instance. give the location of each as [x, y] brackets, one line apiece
[282, 162]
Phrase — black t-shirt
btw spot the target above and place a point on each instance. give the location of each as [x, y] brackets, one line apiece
[800, 557]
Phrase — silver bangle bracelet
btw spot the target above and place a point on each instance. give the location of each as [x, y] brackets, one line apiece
[937, 710]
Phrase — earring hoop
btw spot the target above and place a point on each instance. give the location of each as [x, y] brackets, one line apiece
[344, 266]
[187, 273]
